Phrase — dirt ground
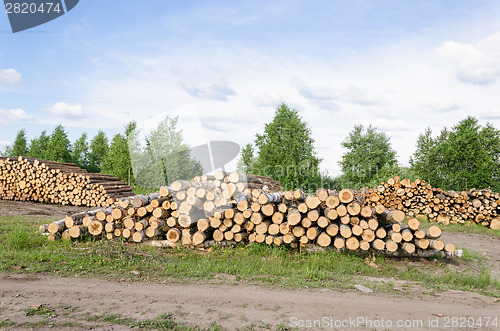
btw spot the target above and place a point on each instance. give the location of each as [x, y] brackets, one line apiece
[40, 210]
[240, 306]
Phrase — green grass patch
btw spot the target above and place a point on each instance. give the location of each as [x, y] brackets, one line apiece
[41, 310]
[6, 323]
[162, 322]
[109, 318]
[252, 264]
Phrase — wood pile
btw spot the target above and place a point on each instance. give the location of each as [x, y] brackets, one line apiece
[202, 213]
[27, 179]
[419, 198]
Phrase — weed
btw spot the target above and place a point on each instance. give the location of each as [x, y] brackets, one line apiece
[41, 310]
[162, 322]
[6, 323]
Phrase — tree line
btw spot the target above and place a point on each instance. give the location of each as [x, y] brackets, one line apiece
[460, 158]
[463, 157]
[149, 162]
[95, 155]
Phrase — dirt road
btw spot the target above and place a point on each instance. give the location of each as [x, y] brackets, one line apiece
[238, 306]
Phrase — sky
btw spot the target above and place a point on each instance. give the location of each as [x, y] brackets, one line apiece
[224, 66]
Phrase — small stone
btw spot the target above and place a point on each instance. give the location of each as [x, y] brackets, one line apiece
[363, 289]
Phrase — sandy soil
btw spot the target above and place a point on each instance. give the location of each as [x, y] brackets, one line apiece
[238, 306]
[242, 305]
[41, 210]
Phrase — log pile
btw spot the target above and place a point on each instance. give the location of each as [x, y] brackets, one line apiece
[200, 213]
[419, 198]
[27, 179]
[236, 182]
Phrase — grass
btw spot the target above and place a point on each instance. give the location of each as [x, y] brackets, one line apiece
[24, 250]
[6, 323]
[88, 321]
[41, 310]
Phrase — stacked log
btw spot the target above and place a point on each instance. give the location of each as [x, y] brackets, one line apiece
[27, 179]
[234, 181]
[199, 213]
[419, 198]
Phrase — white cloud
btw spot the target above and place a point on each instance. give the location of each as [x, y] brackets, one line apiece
[489, 114]
[271, 99]
[329, 98]
[442, 105]
[15, 115]
[360, 96]
[4, 143]
[10, 76]
[66, 110]
[322, 96]
[477, 63]
[219, 91]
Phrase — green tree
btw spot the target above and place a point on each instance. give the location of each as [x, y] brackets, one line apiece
[246, 160]
[117, 161]
[19, 148]
[58, 148]
[99, 148]
[465, 157]
[80, 150]
[425, 159]
[286, 151]
[368, 151]
[164, 158]
[39, 146]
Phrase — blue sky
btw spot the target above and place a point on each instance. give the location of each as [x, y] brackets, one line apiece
[224, 66]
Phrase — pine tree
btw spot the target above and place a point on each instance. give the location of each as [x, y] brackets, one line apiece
[80, 150]
[58, 148]
[98, 150]
[20, 148]
[39, 146]
[117, 161]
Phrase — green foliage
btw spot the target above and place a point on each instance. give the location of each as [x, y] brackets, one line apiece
[19, 148]
[286, 151]
[246, 160]
[164, 158]
[39, 146]
[117, 161]
[465, 157]
[368, 151]
[79, 151]
[58, 147]
[98, 150]
[41, 310]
